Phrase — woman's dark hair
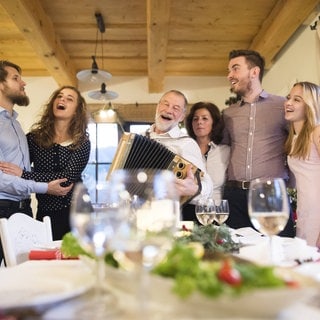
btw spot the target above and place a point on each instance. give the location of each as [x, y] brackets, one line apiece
[216, 134]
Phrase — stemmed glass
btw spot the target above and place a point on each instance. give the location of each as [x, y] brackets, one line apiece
[154, 210]
[96, 214]
[222, 211]
[268, 207]
[150, 228]
[205, 211]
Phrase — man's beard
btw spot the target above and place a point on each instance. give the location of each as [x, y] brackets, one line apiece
[16, 98]
[164, 127]
[242, 91]
[20, 100]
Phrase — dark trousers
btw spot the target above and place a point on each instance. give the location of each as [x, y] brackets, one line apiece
[60, 222]
[7, 211]
[188, 213]
[239, 217]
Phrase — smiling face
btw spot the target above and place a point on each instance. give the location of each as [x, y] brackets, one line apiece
[239, 75]
[295, 106]
[170, 111]
[202, 123]
[65, 104]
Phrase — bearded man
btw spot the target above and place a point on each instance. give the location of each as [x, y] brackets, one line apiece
[170, 111]
[15, 191]
[256, 130]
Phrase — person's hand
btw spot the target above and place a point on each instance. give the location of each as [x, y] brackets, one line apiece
[187, 186]
[55, 188]
[10, 168]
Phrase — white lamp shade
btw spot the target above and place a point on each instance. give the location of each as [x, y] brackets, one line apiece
[92, 75]
[103, 94]
[98, 95]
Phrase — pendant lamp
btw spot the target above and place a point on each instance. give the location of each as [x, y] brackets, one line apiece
[95, 74]
[103, 94]
[107, 115]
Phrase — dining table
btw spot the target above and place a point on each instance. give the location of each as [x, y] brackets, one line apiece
[50, 286]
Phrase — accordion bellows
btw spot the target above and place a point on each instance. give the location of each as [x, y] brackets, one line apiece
[139, 152]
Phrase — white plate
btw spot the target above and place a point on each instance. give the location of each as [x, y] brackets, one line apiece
[38, 283]
[311, 269]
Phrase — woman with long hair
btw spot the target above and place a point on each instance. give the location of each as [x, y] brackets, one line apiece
[59, 147]
[302, 109]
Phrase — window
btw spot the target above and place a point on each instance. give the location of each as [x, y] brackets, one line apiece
[104, 139]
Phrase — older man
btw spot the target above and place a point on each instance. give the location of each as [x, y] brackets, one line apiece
[170, 111]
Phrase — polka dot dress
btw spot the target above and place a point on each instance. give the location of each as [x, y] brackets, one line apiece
[54, 163]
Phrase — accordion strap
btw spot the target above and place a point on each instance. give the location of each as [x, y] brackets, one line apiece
[197, 177]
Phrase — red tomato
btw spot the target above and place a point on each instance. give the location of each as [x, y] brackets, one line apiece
[229, 274]
[292, 283]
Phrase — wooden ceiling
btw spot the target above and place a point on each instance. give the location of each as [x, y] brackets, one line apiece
[153, 38]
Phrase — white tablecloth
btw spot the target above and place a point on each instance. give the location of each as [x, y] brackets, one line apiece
[57, 289]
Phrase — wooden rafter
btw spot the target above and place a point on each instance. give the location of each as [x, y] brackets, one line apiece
[279, 26]
[158, 15]
[37, 28]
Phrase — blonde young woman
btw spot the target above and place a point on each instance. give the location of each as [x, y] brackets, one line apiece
[302, 109]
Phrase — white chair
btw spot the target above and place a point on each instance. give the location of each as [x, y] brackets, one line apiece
[20, 233]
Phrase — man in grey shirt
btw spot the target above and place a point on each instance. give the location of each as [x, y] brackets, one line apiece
[256, 130]
[15, 191]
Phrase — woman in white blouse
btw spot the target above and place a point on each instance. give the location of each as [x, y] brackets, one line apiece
[204, 124]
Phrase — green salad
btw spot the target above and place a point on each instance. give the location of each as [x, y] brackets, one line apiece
[186, 265]
[213, 277]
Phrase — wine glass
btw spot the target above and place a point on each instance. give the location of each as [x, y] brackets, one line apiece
[150, 228]
[268, 207]
[96, 214]
[222, 211]
[154, 209]
[205, 211]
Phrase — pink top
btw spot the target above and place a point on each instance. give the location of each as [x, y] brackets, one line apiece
[307, 174]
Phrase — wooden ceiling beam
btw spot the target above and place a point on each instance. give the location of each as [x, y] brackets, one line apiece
[38, 30]
[280, 25]
[158, 16]
[129, 112]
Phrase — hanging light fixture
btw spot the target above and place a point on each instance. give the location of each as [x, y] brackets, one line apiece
[103, 94]
[95, 74]
[107, 114]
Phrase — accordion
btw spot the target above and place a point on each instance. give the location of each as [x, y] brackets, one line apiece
[136, 151]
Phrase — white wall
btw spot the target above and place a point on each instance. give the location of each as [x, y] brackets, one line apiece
[298, 61]
[39, 90]
[133, 89]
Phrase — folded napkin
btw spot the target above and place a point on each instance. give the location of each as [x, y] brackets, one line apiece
[55, 254]
[287, 252]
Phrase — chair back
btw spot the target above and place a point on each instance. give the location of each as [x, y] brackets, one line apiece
[20, 233]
